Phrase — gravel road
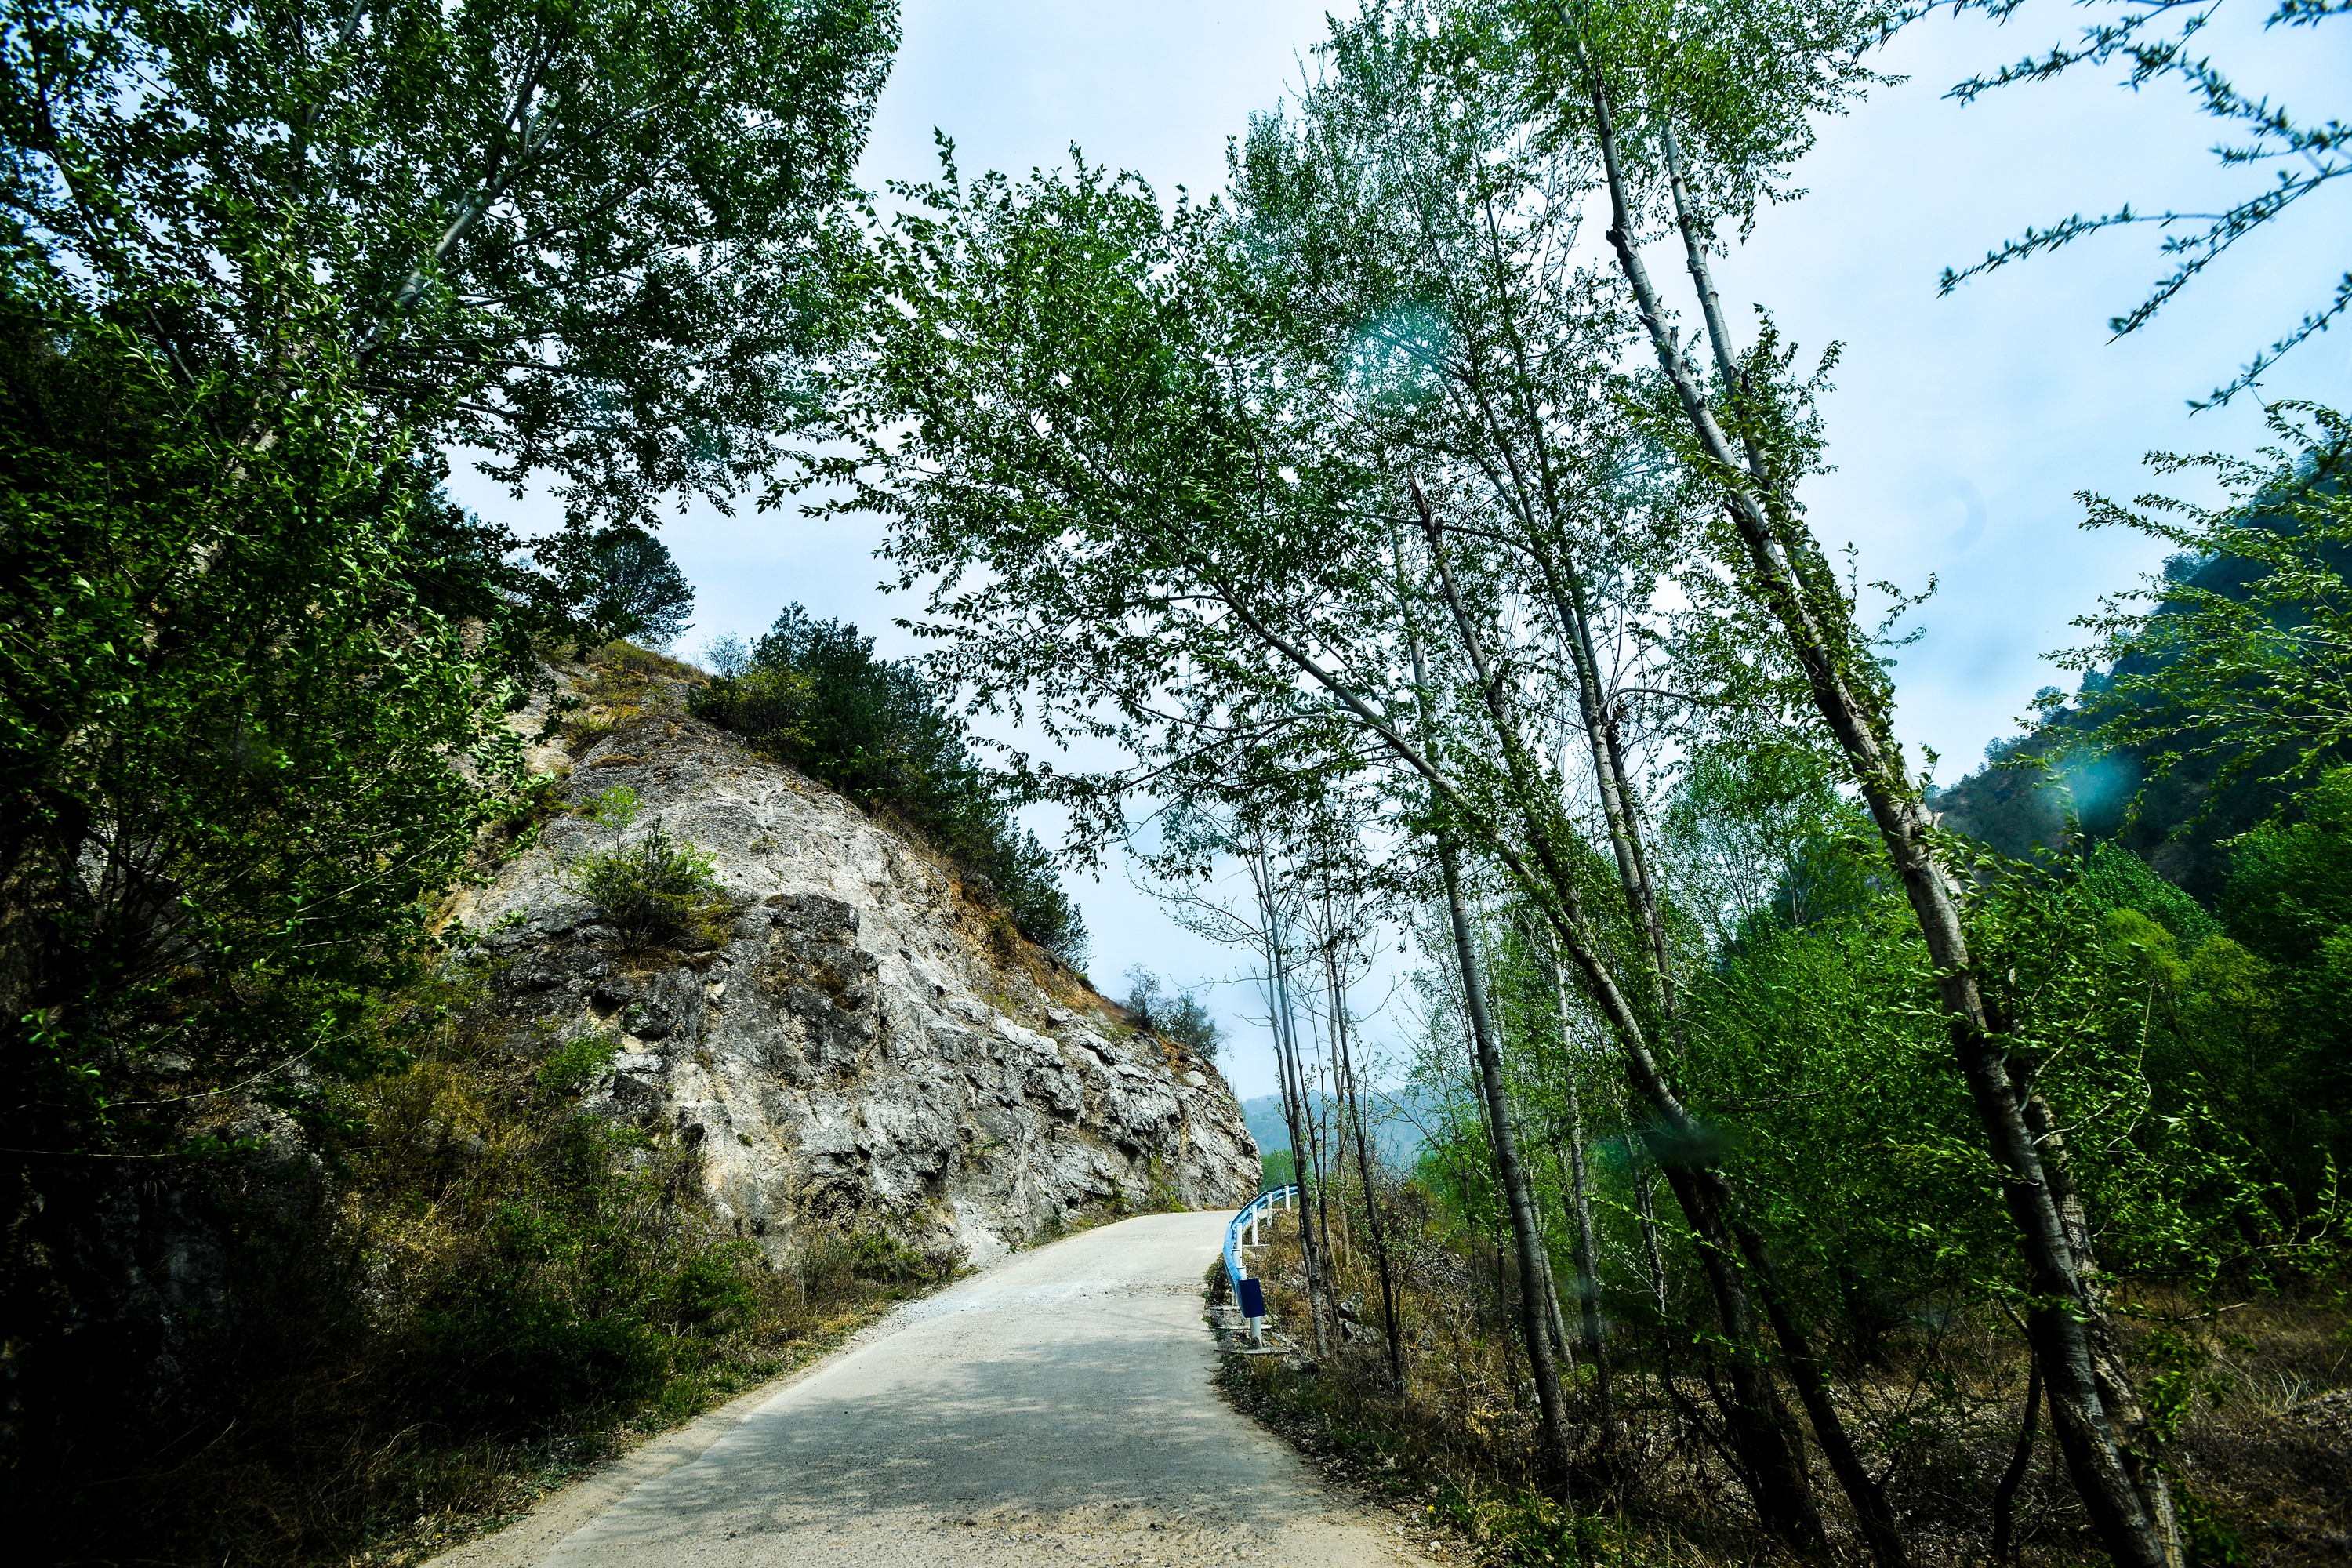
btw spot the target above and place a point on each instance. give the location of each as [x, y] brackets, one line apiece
[1057, 1408]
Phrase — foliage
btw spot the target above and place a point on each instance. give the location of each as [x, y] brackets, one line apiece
[727, 655]
[1811, 1055]
[2245, 661]
[656, 892]
[1757, 834]
[576, 1063]
[622, 685]
[2113, 877]
[1176, 1015]
[230, 700]
[814, 697]
[2154, 43]
[2261, 1011]
[2212, 694]
[503, 1281]
[635, 588]
[589, 241]
[1347, 495]
[615, 808]
[268, 261]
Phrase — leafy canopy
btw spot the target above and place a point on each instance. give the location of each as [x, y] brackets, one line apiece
[588, 240]
[236, 733]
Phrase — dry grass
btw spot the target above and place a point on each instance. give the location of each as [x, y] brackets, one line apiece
[2265, 1450]
[617, 685]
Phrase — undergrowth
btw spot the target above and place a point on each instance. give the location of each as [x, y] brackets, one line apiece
[488, 1287]
[2263, 1461]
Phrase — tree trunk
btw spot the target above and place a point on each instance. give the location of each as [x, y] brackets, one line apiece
[1654, 1253]
[2116, 1471]
[2004, 1496]
[1314, 1209]
[1771, 1449]
[1763, 1427]
[1517, 1200]
[1354, 1113]
[1588, 1255]
[1293, 1113]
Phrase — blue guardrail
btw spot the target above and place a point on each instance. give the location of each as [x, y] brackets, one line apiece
[1261, 1205]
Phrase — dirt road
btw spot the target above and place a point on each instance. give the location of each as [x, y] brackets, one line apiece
[1057, 1408]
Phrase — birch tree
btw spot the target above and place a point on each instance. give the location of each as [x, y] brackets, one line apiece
[1411, 197]
[1637, 83]
[1140, 532]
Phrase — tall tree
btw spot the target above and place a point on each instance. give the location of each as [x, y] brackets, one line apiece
[1412, 196]
[1656, 69]
[1176, 559]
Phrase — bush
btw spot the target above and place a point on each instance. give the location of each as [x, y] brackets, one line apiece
[1174, 1015]
[577, 1063]
[656, 892]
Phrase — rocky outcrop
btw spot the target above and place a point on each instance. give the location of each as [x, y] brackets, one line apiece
[868, 1047]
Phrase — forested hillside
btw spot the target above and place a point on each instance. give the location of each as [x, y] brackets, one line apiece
[1419, 544]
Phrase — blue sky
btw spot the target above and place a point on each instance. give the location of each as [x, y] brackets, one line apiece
[1961, 427]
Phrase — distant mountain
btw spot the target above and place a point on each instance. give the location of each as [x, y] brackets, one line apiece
[1389, 1118]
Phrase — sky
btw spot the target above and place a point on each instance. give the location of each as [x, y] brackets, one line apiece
[1961, 427]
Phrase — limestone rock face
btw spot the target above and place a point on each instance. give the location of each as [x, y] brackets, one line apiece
[868, 1048]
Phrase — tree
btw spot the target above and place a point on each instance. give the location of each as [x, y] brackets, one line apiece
[635, 588]
[1141, 526]
[590, 242]
[1413, 195]
[727, 655]
[1176, 1015]
[264, 264]
[268, 261]
[1748, 425]
[229, 772]
[2247, 668]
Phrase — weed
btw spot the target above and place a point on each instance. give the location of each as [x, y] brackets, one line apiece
[616, 809]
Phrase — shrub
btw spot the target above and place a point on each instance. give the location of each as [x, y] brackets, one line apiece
[576, 1063]
[1174, 1015]
[656, 892]
[886, 1259]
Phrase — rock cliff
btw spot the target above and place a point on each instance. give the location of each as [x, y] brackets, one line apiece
[862, 1044]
